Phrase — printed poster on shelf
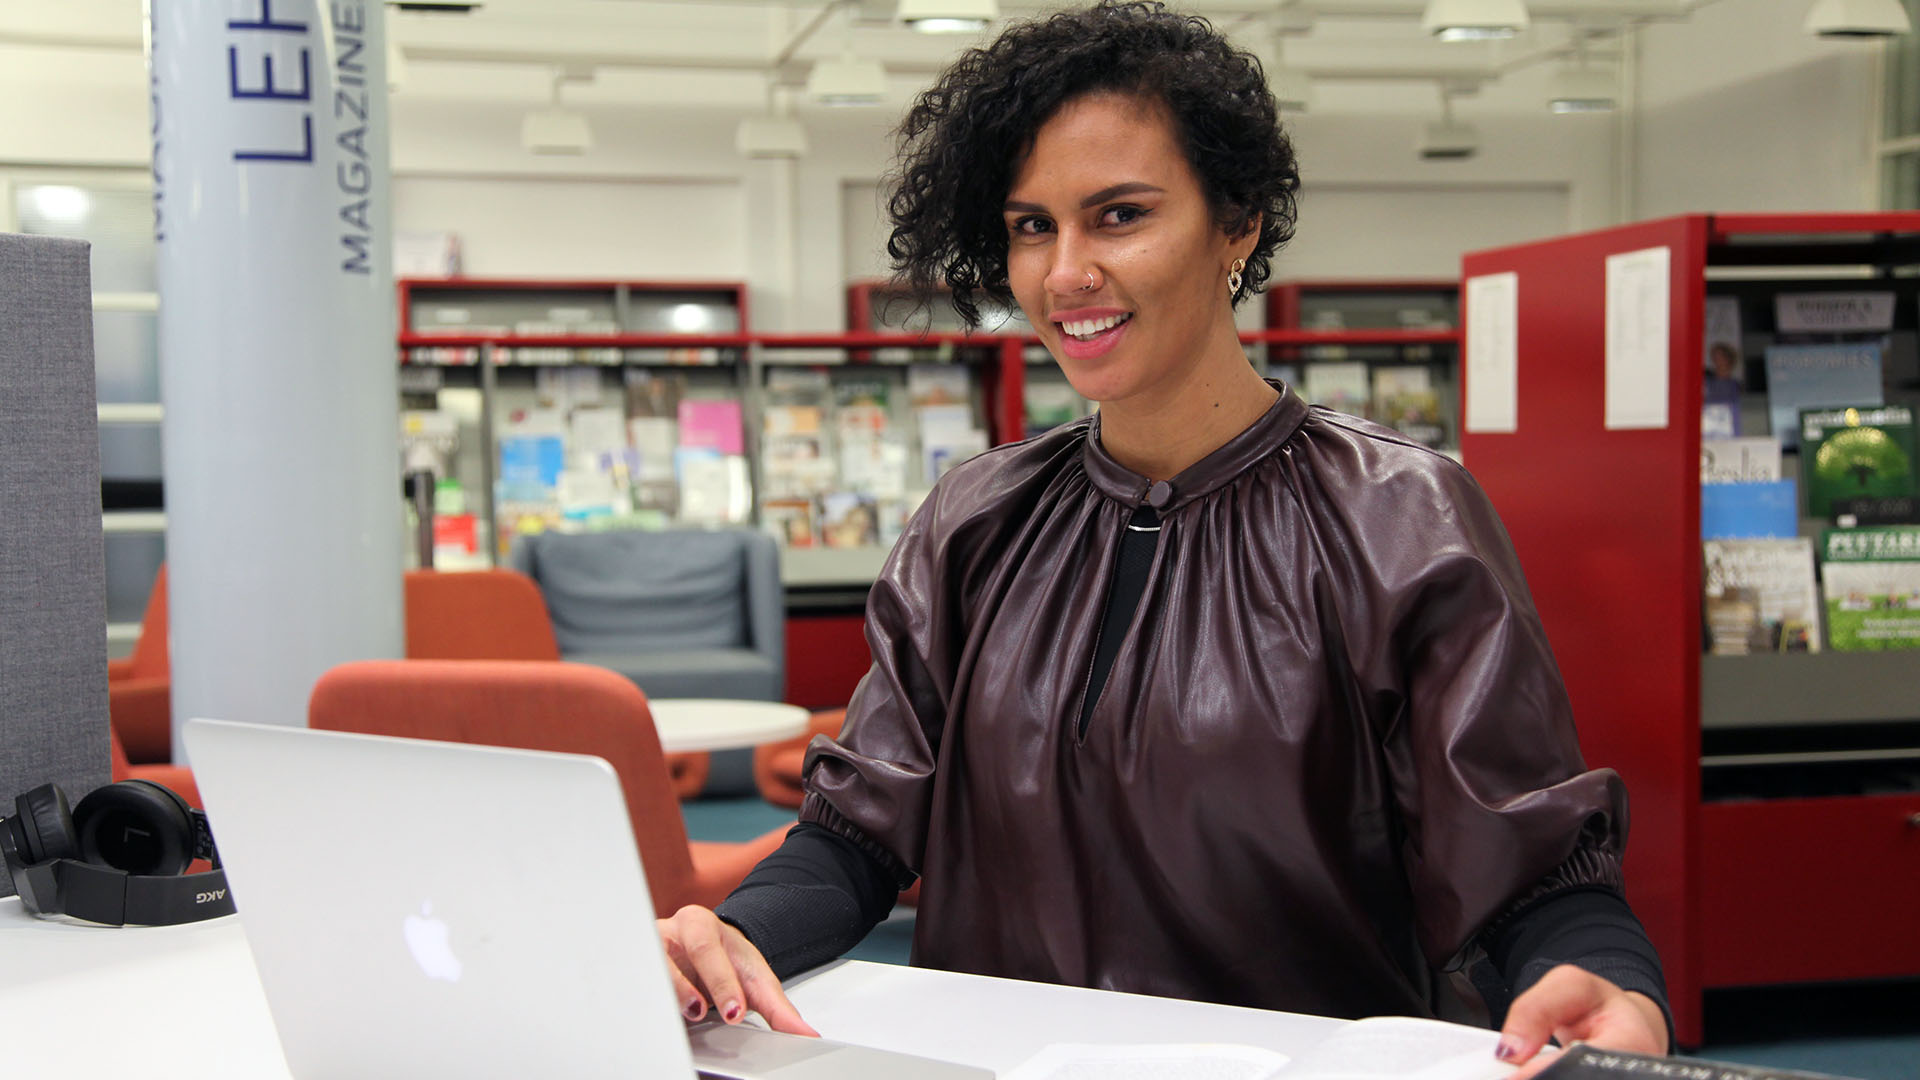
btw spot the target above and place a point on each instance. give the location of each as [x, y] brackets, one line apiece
[1872, 582]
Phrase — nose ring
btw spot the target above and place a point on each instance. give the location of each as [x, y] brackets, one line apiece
[1088, 287]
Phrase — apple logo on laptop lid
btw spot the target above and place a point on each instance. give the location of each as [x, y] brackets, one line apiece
[427, 940]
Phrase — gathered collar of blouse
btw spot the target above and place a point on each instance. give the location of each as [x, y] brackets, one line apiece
[1261, 439]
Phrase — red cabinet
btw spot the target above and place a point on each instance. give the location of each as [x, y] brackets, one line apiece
[1606, 521]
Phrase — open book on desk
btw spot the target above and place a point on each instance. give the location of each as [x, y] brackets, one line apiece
[1375, 1049]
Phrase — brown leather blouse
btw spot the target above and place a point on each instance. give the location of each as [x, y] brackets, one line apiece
[1333, 746]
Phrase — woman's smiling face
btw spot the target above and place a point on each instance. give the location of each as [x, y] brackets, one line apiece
[1112, 250]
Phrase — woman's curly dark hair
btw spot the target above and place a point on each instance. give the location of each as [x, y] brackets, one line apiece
[963, 137]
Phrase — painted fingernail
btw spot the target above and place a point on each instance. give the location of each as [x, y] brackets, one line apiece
[1508, 1049]
[695, 1008]
[731, 1011]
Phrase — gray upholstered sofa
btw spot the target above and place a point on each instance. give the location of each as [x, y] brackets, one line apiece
[681, 612]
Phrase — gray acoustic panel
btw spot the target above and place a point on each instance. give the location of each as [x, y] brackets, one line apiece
[53, 651]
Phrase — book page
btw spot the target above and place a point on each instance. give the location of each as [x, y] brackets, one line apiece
[1402, 1047]
[1160, 1061]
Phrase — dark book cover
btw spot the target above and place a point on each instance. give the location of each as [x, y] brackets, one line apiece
[1856, 453]
[1582, 1062]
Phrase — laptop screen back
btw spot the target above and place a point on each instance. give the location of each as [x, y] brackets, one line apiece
[432, 909]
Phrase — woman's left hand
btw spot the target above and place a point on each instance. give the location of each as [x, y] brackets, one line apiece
[1570, 1004]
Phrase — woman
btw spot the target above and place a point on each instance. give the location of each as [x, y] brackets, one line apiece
[1214, 695]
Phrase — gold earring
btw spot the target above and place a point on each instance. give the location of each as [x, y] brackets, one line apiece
[1233, 276]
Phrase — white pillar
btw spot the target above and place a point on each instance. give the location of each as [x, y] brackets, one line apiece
[277, 359]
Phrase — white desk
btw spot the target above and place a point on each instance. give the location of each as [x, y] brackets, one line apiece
[183, 1001]
[690, 724]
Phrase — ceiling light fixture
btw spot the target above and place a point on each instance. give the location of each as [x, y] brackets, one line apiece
[770, 137]
[847, 80]
[1474, 20]
[1579, 88]
[948, 16]
[1447, 140]
[1858, 19]
[555, 130]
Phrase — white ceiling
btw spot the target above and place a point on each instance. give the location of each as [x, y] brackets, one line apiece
[1365, 55]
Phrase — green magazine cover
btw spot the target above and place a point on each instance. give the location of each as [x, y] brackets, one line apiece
[1872, 581]
[1848, 453]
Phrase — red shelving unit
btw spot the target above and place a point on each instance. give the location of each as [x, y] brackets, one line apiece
[1607, 525]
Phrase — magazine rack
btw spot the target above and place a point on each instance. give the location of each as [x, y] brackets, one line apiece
[1734, 891]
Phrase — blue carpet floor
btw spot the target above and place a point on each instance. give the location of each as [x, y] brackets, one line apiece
[1863, 1031]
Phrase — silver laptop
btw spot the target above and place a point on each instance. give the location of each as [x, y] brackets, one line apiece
[422, 908]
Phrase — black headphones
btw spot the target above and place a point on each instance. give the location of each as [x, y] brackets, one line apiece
[119, 857]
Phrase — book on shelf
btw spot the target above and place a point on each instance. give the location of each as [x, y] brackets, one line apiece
[938, 384]
[567, 388]
[1047, 405]
[714, 487]
[849, 519]
[428, 439]
[1404, 399]
[1724, 370]
[1872, 580]
[790, 521]
[947, 437]
[875, 465]
[1341, 386]
[1855, 454]
[1749, 511]
[712, 424]
[1760, 596]
[1819, 376]
[872, 454]
[456, 542]
[533, 451]
[1749, 460]
[794, 459]
[596, 432]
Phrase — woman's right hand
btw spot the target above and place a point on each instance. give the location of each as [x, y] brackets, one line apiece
[713, 964]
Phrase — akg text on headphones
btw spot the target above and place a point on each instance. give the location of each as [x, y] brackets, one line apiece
[119, 857]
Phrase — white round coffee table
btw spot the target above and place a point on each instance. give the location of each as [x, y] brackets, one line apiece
[687, 725]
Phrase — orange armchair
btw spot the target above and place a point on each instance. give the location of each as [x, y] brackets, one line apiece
[139, 688]
[500, 615]
[569, 708]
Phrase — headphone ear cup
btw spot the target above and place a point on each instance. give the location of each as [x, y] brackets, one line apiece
[44, 826]
[136, 826]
